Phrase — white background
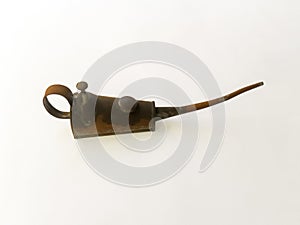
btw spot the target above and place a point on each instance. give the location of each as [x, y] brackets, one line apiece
[256, 177]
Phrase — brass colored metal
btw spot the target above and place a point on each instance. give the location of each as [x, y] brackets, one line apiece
[93, 115]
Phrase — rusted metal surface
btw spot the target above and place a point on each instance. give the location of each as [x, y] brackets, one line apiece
[93, 115]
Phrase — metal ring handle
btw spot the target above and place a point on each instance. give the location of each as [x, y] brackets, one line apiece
[58, 90]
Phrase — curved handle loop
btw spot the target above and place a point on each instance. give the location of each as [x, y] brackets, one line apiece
[58, 90]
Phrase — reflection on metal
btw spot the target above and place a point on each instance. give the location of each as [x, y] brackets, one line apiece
[93, 115]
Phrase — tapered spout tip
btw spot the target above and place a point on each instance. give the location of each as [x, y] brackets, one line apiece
[260, 83]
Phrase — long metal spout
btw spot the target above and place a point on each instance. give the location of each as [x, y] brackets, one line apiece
[166, 112]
